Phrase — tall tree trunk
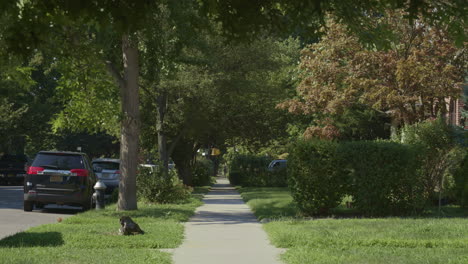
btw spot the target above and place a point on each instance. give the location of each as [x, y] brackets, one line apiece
[184, 169]
[182, 155]
[130, 131]
[162, 138]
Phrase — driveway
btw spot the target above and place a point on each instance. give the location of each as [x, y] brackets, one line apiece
[13, 219]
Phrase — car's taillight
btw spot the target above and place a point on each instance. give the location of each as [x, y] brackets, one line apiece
[117, 172]
[79, 172]
[35, 170]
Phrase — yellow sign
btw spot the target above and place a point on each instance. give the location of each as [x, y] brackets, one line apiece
[215, 152]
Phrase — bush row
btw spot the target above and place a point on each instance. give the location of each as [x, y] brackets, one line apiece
[421, 165]
[251, 170]
[382, 177]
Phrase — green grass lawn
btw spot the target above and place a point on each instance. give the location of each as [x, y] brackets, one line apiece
[358, 240]
[92, 237]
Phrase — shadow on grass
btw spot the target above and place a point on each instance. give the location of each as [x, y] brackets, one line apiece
[149, 212]
[271, 210]
[26, 239]
[448, 211]
[61, 210]
[226, 217]
[200, 191]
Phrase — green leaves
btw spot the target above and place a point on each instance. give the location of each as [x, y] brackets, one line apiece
[91, 99]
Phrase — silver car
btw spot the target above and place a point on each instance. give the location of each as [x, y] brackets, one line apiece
[108, 171]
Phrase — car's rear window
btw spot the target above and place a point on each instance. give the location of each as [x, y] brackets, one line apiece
[106, 165]
[58, 161]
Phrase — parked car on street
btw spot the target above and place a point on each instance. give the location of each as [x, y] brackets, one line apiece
[108, 171]
[277, 165]
[151, 167]
[154, 167]
[13, 169]
[59, 177]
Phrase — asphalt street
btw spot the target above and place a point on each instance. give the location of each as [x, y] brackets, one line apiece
[13, 219]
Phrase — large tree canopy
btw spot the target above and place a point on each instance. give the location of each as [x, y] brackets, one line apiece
[245, 17]
[411, 81]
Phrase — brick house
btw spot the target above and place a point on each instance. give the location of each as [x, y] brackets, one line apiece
[456, 107]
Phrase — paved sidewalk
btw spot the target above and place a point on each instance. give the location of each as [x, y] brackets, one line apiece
[224, 230]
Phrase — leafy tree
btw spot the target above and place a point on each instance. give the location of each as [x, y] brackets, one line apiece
[222, 91]
[32, 22]
[123, 18]
[89, 96]
[172, 30]
[95, 145]
[339, 74]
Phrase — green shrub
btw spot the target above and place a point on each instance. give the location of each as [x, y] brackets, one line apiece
[316, 183]
[250, 170]
[154, 187]
[384, 176]
[203, 173]
[460, 177]
[277, 178]
[438, 141]
[426, 163]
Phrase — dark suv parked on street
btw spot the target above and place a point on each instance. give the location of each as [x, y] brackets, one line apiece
[12, 169]
[58, 177]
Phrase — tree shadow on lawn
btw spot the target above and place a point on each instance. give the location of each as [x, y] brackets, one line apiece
[342, 212]
[274, 210]
[151, 212]
[32, 239]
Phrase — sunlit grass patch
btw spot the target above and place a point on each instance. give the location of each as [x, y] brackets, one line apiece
[346, 238]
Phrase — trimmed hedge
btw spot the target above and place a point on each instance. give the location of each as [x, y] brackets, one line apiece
[251, 170]
[316, 183]
[385, 178]
[382, 177]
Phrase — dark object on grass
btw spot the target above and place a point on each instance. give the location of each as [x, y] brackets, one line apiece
[128, 227]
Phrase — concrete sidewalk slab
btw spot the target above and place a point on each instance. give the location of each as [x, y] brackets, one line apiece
[224, 230]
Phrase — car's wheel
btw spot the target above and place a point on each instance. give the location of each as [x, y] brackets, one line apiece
[28, 206]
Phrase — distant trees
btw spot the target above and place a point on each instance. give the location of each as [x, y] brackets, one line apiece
[220, 93]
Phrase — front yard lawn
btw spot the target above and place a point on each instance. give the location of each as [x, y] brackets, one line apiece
[358, 240]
